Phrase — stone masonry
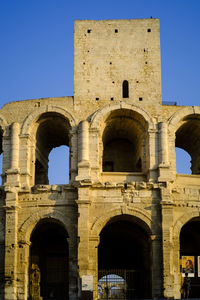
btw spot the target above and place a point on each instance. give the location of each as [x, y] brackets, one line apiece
[122, 173]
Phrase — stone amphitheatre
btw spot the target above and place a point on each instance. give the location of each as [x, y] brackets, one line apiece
[122, 225]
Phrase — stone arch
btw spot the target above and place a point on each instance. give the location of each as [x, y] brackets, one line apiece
[100, 222]
[182, 221]
[184, 128]
[180, 114]
[129, 135]
[102, 113]
[29, 120]
[27, 227]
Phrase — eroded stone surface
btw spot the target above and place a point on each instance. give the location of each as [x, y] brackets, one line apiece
[122, 168]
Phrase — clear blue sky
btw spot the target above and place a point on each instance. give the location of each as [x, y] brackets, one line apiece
[36, 52]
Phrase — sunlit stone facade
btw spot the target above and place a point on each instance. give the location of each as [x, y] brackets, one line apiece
[125, 208]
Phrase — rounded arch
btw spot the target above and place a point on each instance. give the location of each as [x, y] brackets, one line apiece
[184, 128]
[102, 114]
[182, 221]
[101, 222]
[29, 224]
[33, 116]
[181, 114]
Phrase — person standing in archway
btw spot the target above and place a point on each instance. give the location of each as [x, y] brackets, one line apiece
[186, 286]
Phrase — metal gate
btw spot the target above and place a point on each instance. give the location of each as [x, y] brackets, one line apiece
[119, 284]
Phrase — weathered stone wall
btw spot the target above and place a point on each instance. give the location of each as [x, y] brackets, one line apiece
[152, 196]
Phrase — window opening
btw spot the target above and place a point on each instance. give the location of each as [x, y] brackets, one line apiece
[116, 30]
[89, 30]
[188, 139]
[149, 30]
[125, 89]
[140, 98]
[59, 165]
[183, 161]
[52, 137]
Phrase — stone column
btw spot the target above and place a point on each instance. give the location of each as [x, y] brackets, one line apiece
[83, 141]
[163, 147]
[11, 225]
[27, 161]
[152, 164]
[73, 271]
[14, 160]
[164, 166]
[83, 230]
[156, 266]
[167, 242]
[23, 270]
[13, 172]
[93, 263]
[83, 151]
[73, 159]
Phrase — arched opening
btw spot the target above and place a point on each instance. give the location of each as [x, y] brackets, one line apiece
[125, 89]
[49, 259]
[124, 260]
[59, 165]
[188, 139]
[124, 142]
[190, 254]
[52, 131]
[1, 154]
[183, 161]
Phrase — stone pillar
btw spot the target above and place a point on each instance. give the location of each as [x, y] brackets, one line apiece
[23, 270]
[163, 146]
[83, 141]
[157, 283]
[73, 159]
[27, 162]
[83, 231]
[167, 242]
[73, 271]
[177, 269]
[14, 160]
[164, 166]
[96, 154]
[83, 151]
[93, 263]
[13, 172]
[11, 225]
[152, 164]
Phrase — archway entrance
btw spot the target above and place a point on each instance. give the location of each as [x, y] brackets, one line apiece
[48, 269]
[124, 260]
[190, 254]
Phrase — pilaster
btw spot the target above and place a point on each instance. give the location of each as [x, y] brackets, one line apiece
[167, 243]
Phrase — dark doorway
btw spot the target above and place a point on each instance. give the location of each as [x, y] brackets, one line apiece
[49, 262]
[124, 261]
[190, 251]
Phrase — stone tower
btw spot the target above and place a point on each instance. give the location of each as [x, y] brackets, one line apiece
[126, 219]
